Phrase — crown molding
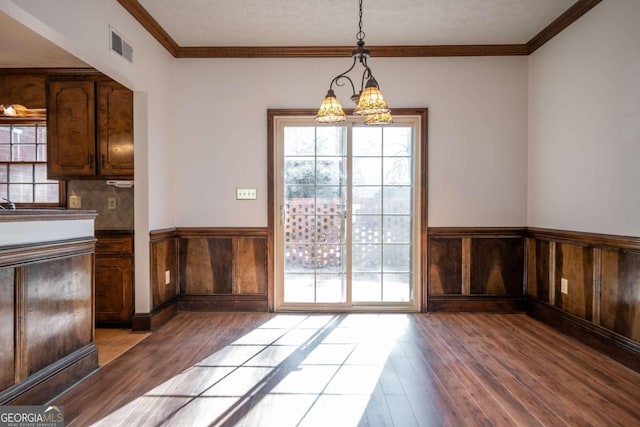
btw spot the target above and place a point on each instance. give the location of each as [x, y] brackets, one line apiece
[151, 25]
[155, 29]
[345, 51]
[563, 21]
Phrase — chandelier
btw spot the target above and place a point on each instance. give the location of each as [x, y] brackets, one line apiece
[369, 101]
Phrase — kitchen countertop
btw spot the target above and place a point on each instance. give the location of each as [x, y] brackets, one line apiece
[7, 215]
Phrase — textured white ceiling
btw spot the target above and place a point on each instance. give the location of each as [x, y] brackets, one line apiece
[21, 47]
[335, 22]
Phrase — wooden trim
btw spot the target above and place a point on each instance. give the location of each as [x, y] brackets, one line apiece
[258, 303]
[423, 114]
[163, 234]
[158, 316]
[271, 225]
[560, 23]
[597, 284]
[476, 232]
[21, 368]
[397, 51]
[618, 347]
[391, 51]
[33, 252]
[552, 273]
[46, 215]
[476, 303]
[228, 232]
[602, 241]
[466, 266]
[151, 25]
[49, 382]
[51, 71]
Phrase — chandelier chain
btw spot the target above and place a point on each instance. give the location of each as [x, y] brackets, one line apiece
[360, 34]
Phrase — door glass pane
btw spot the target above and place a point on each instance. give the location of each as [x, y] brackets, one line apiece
[366, 287]
[366, 200]
[367, 258]
[397, 258]
[367, 228]
[396, 287]
[367, 171]
[299, 141]
[315, 202]
[397, 229]
[398, 141]
[397, 200]
[379, 206]
[367, 141]
[382, 243]
[397, 171]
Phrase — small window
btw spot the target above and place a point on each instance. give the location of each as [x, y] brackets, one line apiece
[23, 167]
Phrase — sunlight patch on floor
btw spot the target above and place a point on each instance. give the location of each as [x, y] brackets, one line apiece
[292, 370]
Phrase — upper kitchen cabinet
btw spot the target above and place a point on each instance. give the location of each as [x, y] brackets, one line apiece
[115, 130]
[90, 129]
[71, 129]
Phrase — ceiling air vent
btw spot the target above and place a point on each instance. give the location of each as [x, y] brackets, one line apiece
[120, 46]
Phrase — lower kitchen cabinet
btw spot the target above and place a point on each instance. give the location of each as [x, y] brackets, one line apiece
[114, 280]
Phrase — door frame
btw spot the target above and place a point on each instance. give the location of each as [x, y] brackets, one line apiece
[422, 163]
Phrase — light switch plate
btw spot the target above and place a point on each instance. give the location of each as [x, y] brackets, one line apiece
[75, 202]
[167, 277]
[246, 194]
[112, 202]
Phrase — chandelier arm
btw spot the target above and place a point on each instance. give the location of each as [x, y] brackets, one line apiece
[343, 75]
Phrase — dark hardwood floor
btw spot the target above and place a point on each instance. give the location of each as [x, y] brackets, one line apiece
[256, 369]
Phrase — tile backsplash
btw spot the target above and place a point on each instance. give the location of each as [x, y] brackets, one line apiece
[95, 196]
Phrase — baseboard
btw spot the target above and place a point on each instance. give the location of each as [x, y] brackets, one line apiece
[49, 382]
[476, 303]
[144, 322]
[256, 303]
[616, 346]
[113, 324]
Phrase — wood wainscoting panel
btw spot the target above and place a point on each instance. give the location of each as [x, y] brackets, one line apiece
[7, 327]
[206, 265]
[445, 266]
[250, 266]
[575, 264]
[59, 309]
[164, 257]
[538, 269]
[620, 293]
[497, 266]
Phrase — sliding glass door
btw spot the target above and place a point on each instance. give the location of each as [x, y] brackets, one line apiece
[347, 216]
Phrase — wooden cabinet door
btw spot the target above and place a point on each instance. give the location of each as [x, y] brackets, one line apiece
[114, 287]
[115, 130]
[71, 129]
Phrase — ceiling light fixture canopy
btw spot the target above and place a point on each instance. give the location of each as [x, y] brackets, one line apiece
[369, 100]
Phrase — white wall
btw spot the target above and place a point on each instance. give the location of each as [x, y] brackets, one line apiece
[82, 28]
[584, 124]
[477, 132]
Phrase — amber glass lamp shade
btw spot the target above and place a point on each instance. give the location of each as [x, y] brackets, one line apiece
[381, 119]
[371, 100]
[330, 111]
